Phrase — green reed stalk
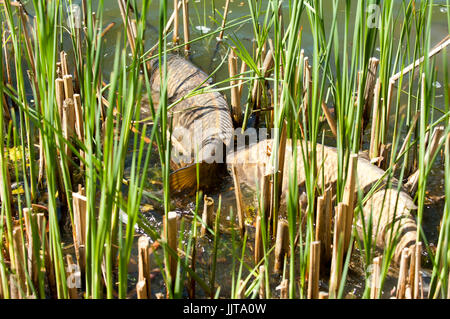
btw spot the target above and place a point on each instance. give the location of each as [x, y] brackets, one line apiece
[6, 214]
[212, 280]
[91, 117]
[292, 211]
[20, 74]
[46, 44]
[440, 266]
[426, 101]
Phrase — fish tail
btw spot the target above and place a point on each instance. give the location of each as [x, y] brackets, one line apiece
[183, 179]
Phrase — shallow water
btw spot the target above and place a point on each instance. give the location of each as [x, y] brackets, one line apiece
[207, 55]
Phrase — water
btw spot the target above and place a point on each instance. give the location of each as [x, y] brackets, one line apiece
[207, 55]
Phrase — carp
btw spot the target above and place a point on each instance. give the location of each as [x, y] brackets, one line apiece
[200, 120]
[202, 127]
[390, 209]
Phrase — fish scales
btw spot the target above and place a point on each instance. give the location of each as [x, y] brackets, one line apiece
[206, 111]
[391, 210]
[201, 123]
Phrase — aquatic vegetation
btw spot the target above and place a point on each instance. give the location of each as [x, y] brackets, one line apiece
[89, 108]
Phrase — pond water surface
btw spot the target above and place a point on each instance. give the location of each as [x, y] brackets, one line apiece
[207, 55]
